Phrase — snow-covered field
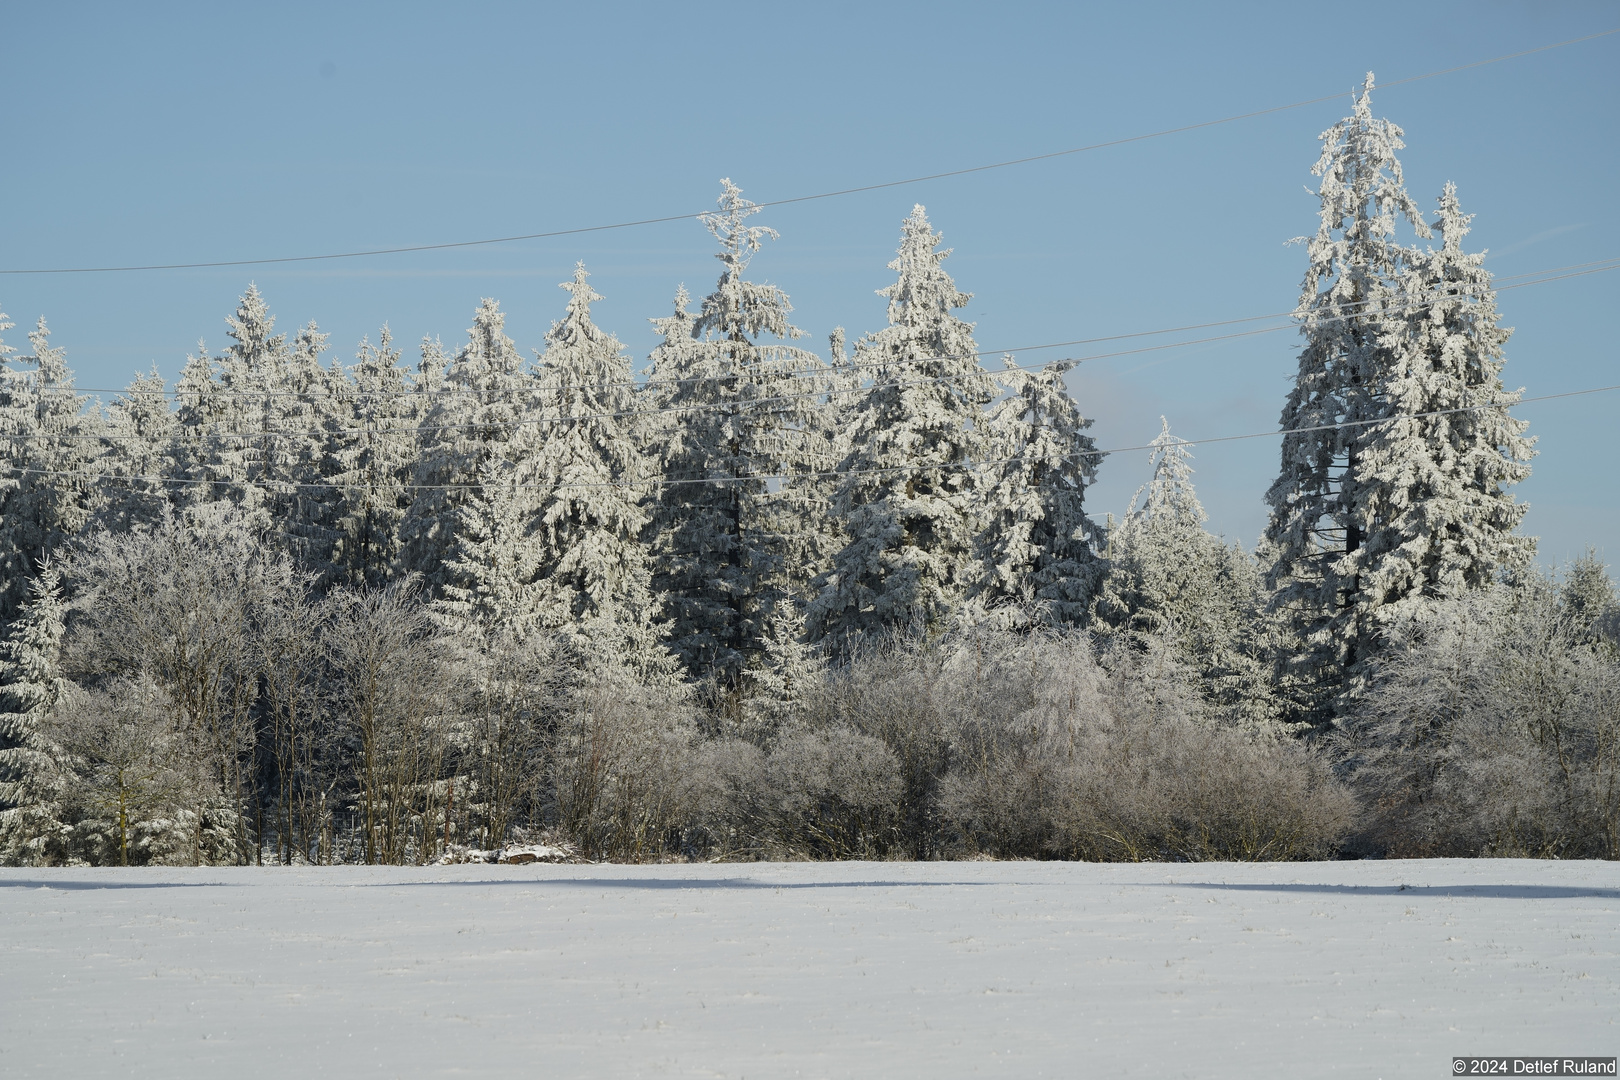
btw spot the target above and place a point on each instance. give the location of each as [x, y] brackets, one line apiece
[848, 969]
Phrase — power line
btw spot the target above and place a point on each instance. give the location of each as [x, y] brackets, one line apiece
[809, 475]
[740, 404]
[801, 198]
[357, 396]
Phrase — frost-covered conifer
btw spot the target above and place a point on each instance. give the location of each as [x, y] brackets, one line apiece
[139, 431]
[238, 450]
[255, 429]
[1168, 578]
[373, 463]
[311, 406]
[1323, 503]
[739, 410]
[1432, 512]
[907, 503]
[32, 830]
[1037, 542]
[489, 575]
[781, 679]
[484, 412]
[592, 569]
[46, 496]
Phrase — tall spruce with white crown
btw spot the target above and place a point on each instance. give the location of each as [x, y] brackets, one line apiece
[590, 475]
[1326, 508]
[46, 452]
[138, 429]
[372, 463]
[908, 502]
[1037, 545]
[485, 411]
[738, 421]
[1443, 523]
[1169, 579]
[32, 764]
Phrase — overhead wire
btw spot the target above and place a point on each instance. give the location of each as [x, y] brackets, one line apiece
[278, 485]
[828, 369]
[410, 248]
[738, 404]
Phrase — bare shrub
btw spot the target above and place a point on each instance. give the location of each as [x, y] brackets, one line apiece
[178, 603]
[388, 667]
[1493, 728]
[133, 785]
[1116, 759]
[620, 785]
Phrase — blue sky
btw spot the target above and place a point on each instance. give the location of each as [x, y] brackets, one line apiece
[179, 134]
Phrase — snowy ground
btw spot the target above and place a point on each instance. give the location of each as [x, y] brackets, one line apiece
[765, 970]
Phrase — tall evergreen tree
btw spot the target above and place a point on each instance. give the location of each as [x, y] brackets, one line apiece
[485, 411]
[590, 475]
[1038, 543]
[1169, 579]
[1438, 521]
[46, 494]
[908, 502]
[139, 431]
[310, 403]
[1324, 503]
[738, 408]
[373, 463]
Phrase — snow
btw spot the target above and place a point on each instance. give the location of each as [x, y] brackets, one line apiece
[826, 969]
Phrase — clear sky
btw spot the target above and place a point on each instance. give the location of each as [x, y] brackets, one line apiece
[166, 133]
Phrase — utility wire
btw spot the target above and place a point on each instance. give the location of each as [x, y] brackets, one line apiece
[740, 404]
[802, 198]
[19, 471]
[352, 395]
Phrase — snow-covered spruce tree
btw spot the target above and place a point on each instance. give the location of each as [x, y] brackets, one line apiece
[1170, 579]
[257, 426]
[372, 463]
[312, 407]
[1325, 507]
[482, 417]
[228, 443]
[1037, 542]
[490, 572]
[1588, 596]
[1438, 521]
[907, 503]
[138, 433]
[738, 411]
[32, 829]
[592, 576]
[46, 440]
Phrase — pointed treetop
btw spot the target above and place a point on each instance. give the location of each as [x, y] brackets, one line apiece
[580, 295]
[677, 325]
[925, 291]
[1452, 223]
[738, 242]
[1170, 495]
[252, 325]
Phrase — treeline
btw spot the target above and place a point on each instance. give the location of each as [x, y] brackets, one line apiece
[757, 602]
